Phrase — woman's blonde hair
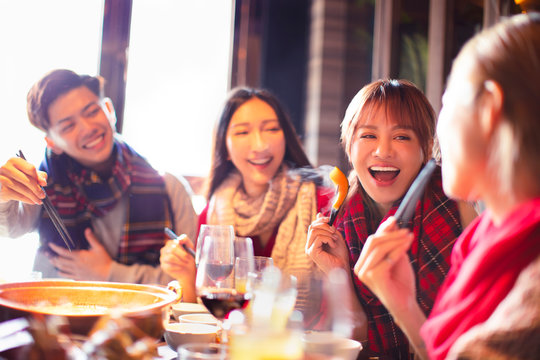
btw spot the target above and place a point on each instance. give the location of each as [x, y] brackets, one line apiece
[509, 54]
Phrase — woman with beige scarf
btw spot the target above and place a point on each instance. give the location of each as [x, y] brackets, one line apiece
[262, 183]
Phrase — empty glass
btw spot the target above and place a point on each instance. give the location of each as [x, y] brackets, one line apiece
[261, 262]
[244, 264]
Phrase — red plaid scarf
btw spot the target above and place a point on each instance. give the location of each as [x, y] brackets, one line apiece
[435, 224]
[79, 195]
[486, 262]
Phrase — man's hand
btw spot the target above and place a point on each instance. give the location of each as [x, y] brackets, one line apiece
[21, 181]
[92, 264]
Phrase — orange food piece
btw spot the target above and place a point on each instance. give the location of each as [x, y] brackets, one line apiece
[340, 180]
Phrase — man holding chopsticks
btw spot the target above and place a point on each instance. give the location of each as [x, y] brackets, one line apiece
[113, 204]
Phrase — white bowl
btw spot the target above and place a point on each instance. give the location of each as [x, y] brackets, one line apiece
[208, 319]
[184, 308]
[348, 349]
[330, 344]
[177, 334]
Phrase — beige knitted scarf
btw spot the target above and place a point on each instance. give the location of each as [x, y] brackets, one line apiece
[289, 204]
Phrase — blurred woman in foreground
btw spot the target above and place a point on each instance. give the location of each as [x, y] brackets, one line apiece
[488, 130]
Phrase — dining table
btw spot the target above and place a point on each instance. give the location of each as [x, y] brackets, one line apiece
[165, 352]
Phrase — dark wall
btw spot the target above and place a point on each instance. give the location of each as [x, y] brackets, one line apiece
[284, 55]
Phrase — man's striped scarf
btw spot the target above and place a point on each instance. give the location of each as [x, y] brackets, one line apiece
[79, 195]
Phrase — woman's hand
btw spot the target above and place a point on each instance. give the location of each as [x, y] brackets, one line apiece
[325, 246]
[179, 264]
[385, 268]
[21, 181]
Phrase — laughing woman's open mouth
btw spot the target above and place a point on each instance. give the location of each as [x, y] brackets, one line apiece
[384, 173]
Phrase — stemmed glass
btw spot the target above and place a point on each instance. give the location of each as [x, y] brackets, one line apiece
[217, 276]
[254, 277]
[213, 231]
[261, 263]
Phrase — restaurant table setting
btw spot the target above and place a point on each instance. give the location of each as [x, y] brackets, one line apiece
[79, 319]
[246, 310]
[267, 327]
[258, 320]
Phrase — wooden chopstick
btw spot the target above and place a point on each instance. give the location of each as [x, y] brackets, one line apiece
[55, 217]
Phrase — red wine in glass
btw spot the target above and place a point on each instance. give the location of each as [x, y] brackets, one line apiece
[218, 289]
[221, 302]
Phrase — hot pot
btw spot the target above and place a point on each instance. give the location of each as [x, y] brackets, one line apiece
[84, 302]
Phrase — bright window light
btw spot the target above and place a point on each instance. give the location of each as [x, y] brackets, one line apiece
[36, 37]
[177, 79]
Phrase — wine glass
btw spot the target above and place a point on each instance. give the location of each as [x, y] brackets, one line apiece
[208, 230]
[254, 275]
[245, 265]
[216, 280]
[261, 263]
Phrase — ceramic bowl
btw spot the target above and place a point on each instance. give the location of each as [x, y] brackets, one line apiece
[205, 318]
[330, 344]
[184, 308]
[177, 334]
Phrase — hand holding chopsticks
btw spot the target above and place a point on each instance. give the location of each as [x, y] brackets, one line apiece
[55, 217]
[173, 236]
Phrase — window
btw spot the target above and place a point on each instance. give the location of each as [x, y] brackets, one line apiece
[177, 79]
[36, 37]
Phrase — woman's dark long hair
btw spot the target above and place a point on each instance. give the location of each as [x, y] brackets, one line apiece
[295, 157]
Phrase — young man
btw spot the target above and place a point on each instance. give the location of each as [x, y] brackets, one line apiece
[113, 203]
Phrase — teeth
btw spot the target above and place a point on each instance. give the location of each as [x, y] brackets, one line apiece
[94, 143]
[260, 161]
[383, 168]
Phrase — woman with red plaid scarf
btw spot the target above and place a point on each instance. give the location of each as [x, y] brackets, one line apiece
[388, 134]
[489, 305]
